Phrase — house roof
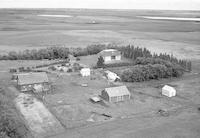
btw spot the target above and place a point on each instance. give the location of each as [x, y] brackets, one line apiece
[110, 52]
[168, 88]
[117, 91]
[85, 69]
[32, 78]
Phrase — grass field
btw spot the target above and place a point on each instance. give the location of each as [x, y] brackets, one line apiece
[26, 29]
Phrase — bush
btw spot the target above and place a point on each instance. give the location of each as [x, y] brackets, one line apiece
[52, 68]
[69, 70]
[21, 69]
[13, 70]
[77, 67]
[100, 62]
[78, 59]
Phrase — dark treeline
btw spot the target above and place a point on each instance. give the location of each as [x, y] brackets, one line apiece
[52, 53]
[63, 53]
[135, 52]
[44, 53]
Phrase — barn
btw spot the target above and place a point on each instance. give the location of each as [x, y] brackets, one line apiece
[36, 82]
[110, 55]
[168, 91]
[116, 94]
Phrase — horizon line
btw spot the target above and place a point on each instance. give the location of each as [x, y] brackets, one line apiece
[102, 9]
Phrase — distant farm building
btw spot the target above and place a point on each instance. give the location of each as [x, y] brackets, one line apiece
[110, 55]
[168, 91]
[85, 72]
[36, 82]
[116, 94]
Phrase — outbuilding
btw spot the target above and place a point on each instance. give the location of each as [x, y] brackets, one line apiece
[85, 72]
[110, 55]
[112, 76]
[116, 94]
[168, 91]
[35, 81]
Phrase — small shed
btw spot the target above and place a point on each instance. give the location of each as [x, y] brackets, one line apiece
[85, 72]
[110, 55]
[111, 76]
[35, 81]
[168, 91]
[116, 94]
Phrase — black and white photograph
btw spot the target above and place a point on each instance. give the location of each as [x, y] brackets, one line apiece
[99, 68]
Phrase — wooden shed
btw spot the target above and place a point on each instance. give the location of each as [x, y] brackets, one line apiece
[116, 94]
[168, 91]
[36, 82]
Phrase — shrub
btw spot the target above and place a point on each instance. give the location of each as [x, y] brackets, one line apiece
[69, 70]
[63, 64]
[52, 68]
[13, 70]
[76, 67]
[21, 69]
[100, 62]
[78, 59]
[61, 70]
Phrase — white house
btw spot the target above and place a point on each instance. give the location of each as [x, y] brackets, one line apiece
[85, 72]
[168, 91]
[110, 55]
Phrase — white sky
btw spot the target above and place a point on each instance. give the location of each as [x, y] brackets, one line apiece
[104, 4]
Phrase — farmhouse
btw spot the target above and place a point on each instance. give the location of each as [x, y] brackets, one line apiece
[116, 94]
[168, 91]
[110, 55]
[85, 72]
[36, 82]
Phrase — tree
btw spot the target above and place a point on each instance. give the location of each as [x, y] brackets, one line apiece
[100, 62]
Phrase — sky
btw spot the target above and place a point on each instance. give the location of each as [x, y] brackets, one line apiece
[104, 4]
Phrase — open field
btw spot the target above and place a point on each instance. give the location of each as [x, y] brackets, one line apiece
[21, 29]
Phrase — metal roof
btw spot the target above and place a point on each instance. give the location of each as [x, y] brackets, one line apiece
[32, 78]
[110, 52]
[168, 88]
[117, 91]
